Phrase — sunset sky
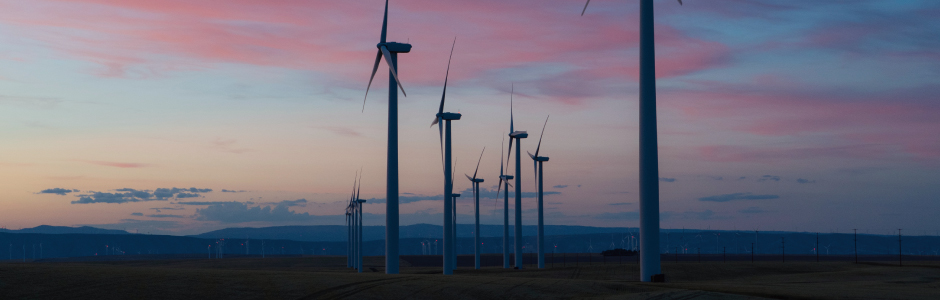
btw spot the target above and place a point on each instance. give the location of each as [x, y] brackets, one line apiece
[182, 116]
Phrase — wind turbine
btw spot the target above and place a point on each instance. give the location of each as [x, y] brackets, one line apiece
[390, 51]
[440, 120]
[537, 161]
[349, 230]
[476, 211]
[359, 203]
[518, 136]
[350, 227]
[504, 179]
[650, 269]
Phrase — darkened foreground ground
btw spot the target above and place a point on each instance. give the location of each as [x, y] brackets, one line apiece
[321, 277]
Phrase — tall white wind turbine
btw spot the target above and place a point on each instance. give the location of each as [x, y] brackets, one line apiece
[650, 269]
[390, 51]
[538, 160]
[518, 136]
[441, 119]
[475, 185]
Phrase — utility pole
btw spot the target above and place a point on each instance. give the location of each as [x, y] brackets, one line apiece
[856, 245]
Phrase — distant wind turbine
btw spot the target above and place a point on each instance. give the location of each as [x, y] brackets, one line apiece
[650, 269]
[475, 185]
[504, 179]
[390, 51]
[518, 136]
[537, 161]
[359, 204]
[443, 118]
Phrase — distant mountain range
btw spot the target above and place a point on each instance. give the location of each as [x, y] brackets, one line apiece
[48, 229]
[59, 242]
[335, 233]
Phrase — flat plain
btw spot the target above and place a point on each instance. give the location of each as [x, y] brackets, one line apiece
[326, 277]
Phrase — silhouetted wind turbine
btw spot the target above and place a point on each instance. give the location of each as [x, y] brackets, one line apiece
[518, 136]
[649, 156]
[504, 179]
[349, 231]
[390, 51]
[350, 226]
[359, 203]
[446, 150]
[537, 161]
[475, 185]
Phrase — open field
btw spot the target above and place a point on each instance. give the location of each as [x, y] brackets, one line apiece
[324, 277]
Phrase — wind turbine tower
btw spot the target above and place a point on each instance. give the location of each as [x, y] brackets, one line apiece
[476, 212]
[538, 160]
[390, 51]
[518, 136]
[453, 227]
[650, 268]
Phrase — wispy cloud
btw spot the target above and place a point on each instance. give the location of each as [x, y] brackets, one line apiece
[125, 195]
[57, 191]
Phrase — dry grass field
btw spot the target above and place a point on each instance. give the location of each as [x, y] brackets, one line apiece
[327, 278]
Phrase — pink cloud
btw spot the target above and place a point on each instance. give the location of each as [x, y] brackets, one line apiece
[902, 120]
[141, 39]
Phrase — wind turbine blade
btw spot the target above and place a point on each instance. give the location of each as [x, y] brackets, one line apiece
[391, 69]
[502, 145]
[453, 175]
[440, 131]
[540, 136]
[385, 23]
[680, 2]
[511, 128]
[535, 172]
[498, 188]
[378, 57]
[530, 155]
[589, 1]
[358, 189]
[509, 154]
[468, 177]
[478, 163]
[446, 76]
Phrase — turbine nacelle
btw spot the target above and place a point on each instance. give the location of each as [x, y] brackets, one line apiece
[521, 134]
[395, 47]
[455, 195]
[506, 177]
[449, 116]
